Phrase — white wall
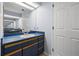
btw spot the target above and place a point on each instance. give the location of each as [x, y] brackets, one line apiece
[1, 24]
[41, 20]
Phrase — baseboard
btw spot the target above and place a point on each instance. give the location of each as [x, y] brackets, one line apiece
[46, 53]
[55, 54]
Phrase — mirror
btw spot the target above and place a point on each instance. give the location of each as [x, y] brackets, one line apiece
[12, 22]
[16, 18]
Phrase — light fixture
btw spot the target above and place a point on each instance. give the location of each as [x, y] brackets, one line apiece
[10, 16]
[33, 4]
[24, 5]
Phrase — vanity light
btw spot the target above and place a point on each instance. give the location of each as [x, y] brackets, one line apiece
[9, 16]
[24, 5]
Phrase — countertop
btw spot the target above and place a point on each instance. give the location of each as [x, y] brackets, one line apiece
[15, 38]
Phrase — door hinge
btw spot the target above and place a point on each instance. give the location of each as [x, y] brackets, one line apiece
[52, 49]
[52, 27]
[53, 5]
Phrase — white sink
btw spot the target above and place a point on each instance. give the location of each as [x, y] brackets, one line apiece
[27, 35]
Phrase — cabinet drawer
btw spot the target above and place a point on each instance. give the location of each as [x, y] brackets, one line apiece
[19, 42]
[41, 38]
[14, 53]
[12, 48]
[17, 54]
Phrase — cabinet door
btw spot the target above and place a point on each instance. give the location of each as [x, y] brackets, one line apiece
[35, 50]
[30, 51]
[40, 45]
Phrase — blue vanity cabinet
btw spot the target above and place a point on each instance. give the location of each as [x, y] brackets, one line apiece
[27, 47]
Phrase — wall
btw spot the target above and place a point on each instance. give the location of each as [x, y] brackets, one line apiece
[1, 24]
[41, 20]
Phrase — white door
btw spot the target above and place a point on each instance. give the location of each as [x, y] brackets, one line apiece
[75, 30]
[66, 33]
[1, 23]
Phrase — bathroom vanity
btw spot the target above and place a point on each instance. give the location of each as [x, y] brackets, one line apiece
[31, 44]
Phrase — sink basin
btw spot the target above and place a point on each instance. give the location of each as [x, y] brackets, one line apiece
[27, 35]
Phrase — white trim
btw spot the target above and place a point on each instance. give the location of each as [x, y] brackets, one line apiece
[46, 54]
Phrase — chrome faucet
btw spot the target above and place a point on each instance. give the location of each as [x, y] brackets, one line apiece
[23, 31]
